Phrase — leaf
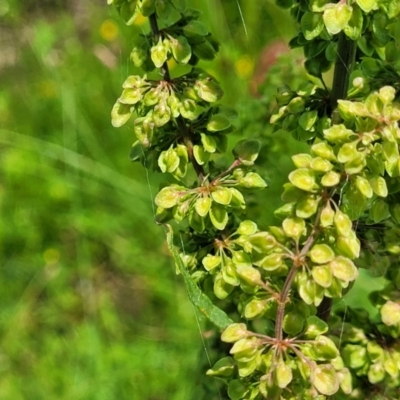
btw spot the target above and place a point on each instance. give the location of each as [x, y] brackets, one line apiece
[354, 28]
[247, 151]
[181, 49]
[218, 122]
[236, 389]
[195, 28]
[311, 25]
[196, 296]
[223, 368]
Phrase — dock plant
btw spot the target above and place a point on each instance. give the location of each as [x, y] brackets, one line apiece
[287, 276]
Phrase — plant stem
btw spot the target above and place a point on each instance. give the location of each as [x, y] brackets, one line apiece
[180, 121]
[297, 262]
[343, 68]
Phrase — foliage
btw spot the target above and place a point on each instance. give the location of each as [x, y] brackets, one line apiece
[278, 283]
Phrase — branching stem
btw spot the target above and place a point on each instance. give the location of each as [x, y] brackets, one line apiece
[184, 131]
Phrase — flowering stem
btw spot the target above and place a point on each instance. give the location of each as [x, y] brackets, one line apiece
[184, 131]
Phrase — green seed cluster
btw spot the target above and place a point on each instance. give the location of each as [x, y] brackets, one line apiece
[274, 281]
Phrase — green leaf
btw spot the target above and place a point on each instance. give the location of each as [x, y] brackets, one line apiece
[223, 368]
[181, 49]
[247, 151]
[219, 216]
[236, 390]
[196, 296]
[204, 50]
[195, 28]
[336, 17]
[148, 7]
[379, 211]
[120, 114]
[312, 25]
[218, 122]
[325, 380]
[303, 179]
[354, 27]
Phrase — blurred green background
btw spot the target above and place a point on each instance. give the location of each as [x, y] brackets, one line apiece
[90, 306]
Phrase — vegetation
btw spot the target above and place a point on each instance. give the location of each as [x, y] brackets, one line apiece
[93, 310]
[272, 290]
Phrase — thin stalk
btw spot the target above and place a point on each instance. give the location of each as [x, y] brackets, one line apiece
[184, 131]
[343, 68]
[297, 263]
